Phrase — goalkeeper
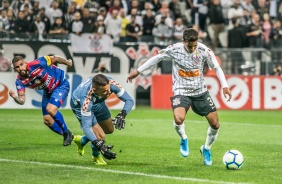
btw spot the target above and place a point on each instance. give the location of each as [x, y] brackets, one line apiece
[88, 105]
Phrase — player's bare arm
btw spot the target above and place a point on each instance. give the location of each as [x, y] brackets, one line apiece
[132, 75]
[20, 99]
[226, 91]
[61, 60]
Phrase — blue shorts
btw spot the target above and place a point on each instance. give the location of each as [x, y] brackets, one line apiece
[99, 111]
[57, 97]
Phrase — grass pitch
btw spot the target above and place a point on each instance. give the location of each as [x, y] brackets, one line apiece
[147, 150]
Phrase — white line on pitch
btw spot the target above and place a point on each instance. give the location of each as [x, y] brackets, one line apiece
[118, 172]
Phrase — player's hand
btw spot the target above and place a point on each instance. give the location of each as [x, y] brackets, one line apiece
[69, 63]
[104, 149]
[119, 120]
[12, 93]
[226, 91]
[132, 75]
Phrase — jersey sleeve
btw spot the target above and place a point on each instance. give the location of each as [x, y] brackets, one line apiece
[211, 59]
[20, 87]
[122, 95]
[45, 61]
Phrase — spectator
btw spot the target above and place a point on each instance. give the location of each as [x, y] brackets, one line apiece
[87, 20]
[236, 39]
[147, 7]
[11, 18]
[67, 17]
[113, 26]
[148, 25]
[162, 32]
[255, 32]
[35, 8]
[177, 30]
[276, 41]
[226, 5]
[116, 6]
[37, 28]
[266, 26]
[235, 12]
[45, 19]
[100, 27]
[93, 4]
[156, 4]
[21, 26]
[133, 30]
[58, 30]
[277, 70]
[124, 22]
[4, 23]
[54, 12]
[217, 21]
[138, 18]
[174, 6]
[262, 8]
[76, 25]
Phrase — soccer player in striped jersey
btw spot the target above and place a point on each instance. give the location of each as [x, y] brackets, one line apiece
[88, 105]
[42, 74]
[189, 87]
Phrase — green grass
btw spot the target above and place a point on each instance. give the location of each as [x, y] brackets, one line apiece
[147, 150]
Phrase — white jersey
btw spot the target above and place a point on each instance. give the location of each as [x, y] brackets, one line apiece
[187, 71]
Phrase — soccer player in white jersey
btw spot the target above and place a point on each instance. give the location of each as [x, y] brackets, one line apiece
[189, 87]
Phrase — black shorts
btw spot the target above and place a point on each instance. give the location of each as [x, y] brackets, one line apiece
[201, 105]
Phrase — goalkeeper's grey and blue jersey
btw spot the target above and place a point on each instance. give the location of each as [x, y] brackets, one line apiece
[90, 108]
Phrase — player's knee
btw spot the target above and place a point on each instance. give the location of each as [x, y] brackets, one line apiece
[109, 130]
[179, 120]
[215, 125]
[51, 110]
[47, 121]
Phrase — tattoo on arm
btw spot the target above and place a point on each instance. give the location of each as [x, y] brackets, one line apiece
[20, 99]
[60, 60]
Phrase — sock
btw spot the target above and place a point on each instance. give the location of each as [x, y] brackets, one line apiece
[59, 119]
[95, 151]
[84, 140]
[211, 137]
[180, 130]
[56, 128]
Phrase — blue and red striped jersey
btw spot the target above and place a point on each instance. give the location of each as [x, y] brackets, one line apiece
[42, 75]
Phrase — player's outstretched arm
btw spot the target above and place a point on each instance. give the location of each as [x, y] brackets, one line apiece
[61, 60]
[20, 99]
[132, 75]
[226, 91]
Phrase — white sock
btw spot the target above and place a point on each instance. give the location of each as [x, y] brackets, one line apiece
[180, 130]
[211, 137]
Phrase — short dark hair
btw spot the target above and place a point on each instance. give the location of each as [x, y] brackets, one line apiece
[16, 59]
[100, 80]
[190, 35]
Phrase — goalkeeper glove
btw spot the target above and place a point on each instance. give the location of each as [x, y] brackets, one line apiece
[119, 120]
[104, 149]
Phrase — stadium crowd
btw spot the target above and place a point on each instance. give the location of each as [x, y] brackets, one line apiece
[251, 23]
[221, 23]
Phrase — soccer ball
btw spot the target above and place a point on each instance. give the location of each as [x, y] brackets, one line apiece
[233, 159]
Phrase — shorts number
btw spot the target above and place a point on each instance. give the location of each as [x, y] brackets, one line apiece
[210, 101]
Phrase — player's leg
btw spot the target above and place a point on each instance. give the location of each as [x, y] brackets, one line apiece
[58, 96]
[47, 118]
[94, 132]
[204, 106]
[104, 119]
[180, 105]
